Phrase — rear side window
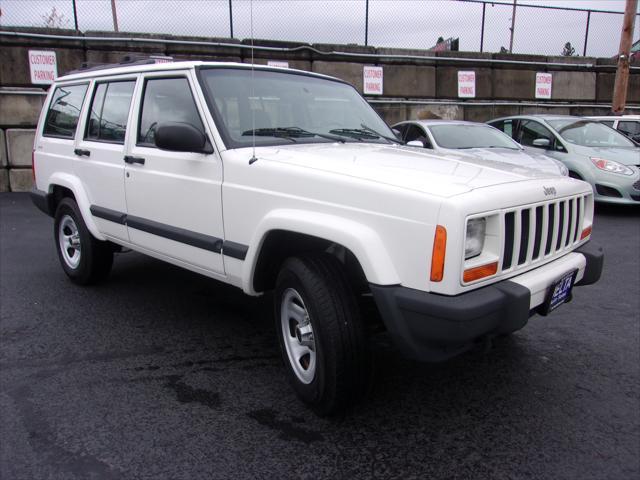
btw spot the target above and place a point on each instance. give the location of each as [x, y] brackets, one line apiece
[109, 112]
[166, 100]
[64, 111]
[607, 123]
[630, 128]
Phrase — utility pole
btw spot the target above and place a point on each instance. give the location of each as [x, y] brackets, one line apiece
[114, 14]
[622, 73]
[513, 26]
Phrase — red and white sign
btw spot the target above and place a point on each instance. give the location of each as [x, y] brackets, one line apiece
[543, 85]
[43, 66]
[278, 63]
[467, 84]
[372, 80]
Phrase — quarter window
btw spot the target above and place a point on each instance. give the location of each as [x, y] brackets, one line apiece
[166, 100]
[110, 111]
[64, 111]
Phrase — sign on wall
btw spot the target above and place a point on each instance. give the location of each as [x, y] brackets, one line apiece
[278, 63]
[467, 84]
[543, 85]
[43, 67]
[373, 77]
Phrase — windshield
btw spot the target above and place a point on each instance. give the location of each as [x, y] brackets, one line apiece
[283, 108]
[589, 133]
[471, 136]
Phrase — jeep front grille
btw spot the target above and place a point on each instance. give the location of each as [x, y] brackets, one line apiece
[534, 233]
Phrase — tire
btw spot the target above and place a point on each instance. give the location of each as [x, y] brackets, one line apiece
[316, 310]
[85, 259]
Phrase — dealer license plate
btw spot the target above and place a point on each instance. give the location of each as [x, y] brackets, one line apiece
[559, 292]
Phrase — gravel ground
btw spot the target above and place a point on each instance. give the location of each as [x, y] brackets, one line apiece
[161, 373]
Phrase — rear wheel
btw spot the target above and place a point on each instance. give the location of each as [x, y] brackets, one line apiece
[321, 335]
[84, 258]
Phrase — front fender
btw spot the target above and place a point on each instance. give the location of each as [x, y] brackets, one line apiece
[74, 184]
[360, 239]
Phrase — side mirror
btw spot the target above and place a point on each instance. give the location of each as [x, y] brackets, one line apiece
[181, 137]
[415, 143]
[541, 142]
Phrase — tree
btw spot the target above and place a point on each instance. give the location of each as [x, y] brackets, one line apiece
[440, 40]
[568, 50]
[55, 20]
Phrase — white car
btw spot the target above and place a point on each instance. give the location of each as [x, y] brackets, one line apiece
[627, 124]
[280, 180]
[475, 142]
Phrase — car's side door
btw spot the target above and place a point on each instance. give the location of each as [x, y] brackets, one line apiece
[174, 202]
[100, 150]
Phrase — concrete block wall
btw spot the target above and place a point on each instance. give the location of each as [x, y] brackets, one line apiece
[417, 77]
[19, 113]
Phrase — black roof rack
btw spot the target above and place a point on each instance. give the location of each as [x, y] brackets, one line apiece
[127, 60]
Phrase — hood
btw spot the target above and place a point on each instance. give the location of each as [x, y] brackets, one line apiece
[519, 158]
[623, 155]
[403, 167]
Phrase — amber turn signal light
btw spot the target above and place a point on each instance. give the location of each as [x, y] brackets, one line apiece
[585, 233]
[476, 273]
[437, 257]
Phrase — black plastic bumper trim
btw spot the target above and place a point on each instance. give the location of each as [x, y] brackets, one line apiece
[431, 327]
[42, 200]
[594, 254]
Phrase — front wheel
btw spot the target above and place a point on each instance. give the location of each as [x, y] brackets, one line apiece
[321, 335]
[84, 258]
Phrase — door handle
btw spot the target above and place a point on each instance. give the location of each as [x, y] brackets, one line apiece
[129, 159]
[81, 152]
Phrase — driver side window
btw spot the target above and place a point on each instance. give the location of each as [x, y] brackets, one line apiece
[416, 133]
[531, 130]
[166, 100]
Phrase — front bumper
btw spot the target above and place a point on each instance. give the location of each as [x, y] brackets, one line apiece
[432, 327]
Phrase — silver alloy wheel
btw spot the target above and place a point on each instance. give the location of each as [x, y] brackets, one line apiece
[297, 332]
[69, 241]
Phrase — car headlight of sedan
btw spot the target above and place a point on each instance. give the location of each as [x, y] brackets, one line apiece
[474, 243]
[611, 166]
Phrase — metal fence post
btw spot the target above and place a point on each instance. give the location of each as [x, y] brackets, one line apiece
[366, 23]
[586, 34]
[75, 15]
[230, 18]
[484, 9]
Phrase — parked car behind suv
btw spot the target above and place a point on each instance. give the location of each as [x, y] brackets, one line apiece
[593, 152]
[287, 181]
[475, 142]
[626, 124]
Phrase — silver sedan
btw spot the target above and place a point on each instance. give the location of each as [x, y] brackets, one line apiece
[475, 142]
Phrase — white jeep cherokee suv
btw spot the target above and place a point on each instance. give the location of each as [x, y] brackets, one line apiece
[280, 180]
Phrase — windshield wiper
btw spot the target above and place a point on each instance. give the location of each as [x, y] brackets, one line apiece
[390, 139]
[290, 133]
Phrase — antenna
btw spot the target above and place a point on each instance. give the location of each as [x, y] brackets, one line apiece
[253, 110]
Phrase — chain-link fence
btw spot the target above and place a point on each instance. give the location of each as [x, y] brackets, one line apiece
[418, 24]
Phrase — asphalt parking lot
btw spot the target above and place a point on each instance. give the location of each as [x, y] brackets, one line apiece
[161, 373]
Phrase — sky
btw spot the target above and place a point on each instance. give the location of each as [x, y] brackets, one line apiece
[415, 24]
